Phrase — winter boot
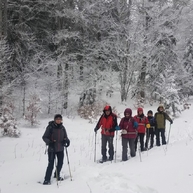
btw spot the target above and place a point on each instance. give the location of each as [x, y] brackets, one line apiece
[60, 179]
[110, 158]
[144, 149]
[104, 159]
[46, 182]
[124, 159]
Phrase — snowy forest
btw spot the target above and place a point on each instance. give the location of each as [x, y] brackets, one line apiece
[62, 56]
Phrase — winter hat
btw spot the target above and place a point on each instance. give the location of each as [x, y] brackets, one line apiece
[150, 112]
[57, 116]
[107, 108]
[129, 111]
[139, 109]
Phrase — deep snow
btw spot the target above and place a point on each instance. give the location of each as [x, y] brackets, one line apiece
[164, 169]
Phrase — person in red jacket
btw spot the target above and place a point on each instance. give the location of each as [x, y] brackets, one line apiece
[107, 123]
[128, 127]
[143, 122]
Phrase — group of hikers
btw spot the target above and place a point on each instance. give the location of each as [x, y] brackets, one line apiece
[133, 130]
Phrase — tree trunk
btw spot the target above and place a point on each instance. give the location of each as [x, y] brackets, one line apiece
[49, 98]
[124, 83]
[65, 86]
[144, 62]
[59, 75]
[24, 97]
[1, 94]
[3, 18]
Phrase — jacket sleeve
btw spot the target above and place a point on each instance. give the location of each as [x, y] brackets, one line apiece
[121, 124]
[65, 134]
[114, 121]
[168, 117]
[153, 122]
[99, 122]
[146, 121]
[46, 135]
[135, 119]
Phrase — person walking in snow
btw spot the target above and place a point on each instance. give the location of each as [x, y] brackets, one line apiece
[56, 138]
[150, 133]
[107, 123]
[143, 122]
[160, 122]
[128, 127]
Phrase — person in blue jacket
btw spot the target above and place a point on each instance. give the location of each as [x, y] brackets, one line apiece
[150, 132]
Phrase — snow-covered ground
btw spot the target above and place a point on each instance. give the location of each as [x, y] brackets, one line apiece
[162, 170]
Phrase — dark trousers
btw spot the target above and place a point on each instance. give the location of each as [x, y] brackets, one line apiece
[108, 139]
[140, 137]
[162, 131]
[125, 142]
[51, 158]
[149, 136]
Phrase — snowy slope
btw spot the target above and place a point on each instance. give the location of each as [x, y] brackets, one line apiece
[162, 170]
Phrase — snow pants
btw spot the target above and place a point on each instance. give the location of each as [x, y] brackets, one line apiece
[162, 131]
[51, 158]
[149, 136]
[109, 139]
[125, 142]
[140, 137]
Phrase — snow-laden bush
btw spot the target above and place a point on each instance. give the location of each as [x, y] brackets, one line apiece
[8, 124]
[92, 112]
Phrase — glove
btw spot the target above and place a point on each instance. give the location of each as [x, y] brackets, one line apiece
[117, 128]
[112, 130]
[171, 122]
[95, 129]
[124, 131]
[66, 142]
[135, 124]
[148, 126]
[51, 142]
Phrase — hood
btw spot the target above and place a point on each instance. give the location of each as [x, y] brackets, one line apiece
[139, 109]
[107, 108]
[53, 124]
[159, 107]
[128, 110]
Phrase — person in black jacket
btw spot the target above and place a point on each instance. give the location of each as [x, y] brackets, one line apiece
[56, 138]
[150, 132]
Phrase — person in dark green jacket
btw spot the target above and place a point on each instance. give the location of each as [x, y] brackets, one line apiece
[160, 123]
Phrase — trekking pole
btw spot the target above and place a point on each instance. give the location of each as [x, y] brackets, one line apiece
[139, 149]
[56, 170]
[46, 149]
[68, 163]
[169, 134]
[95, 147]
[116, 147]
[167, 142]
[147, 141]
